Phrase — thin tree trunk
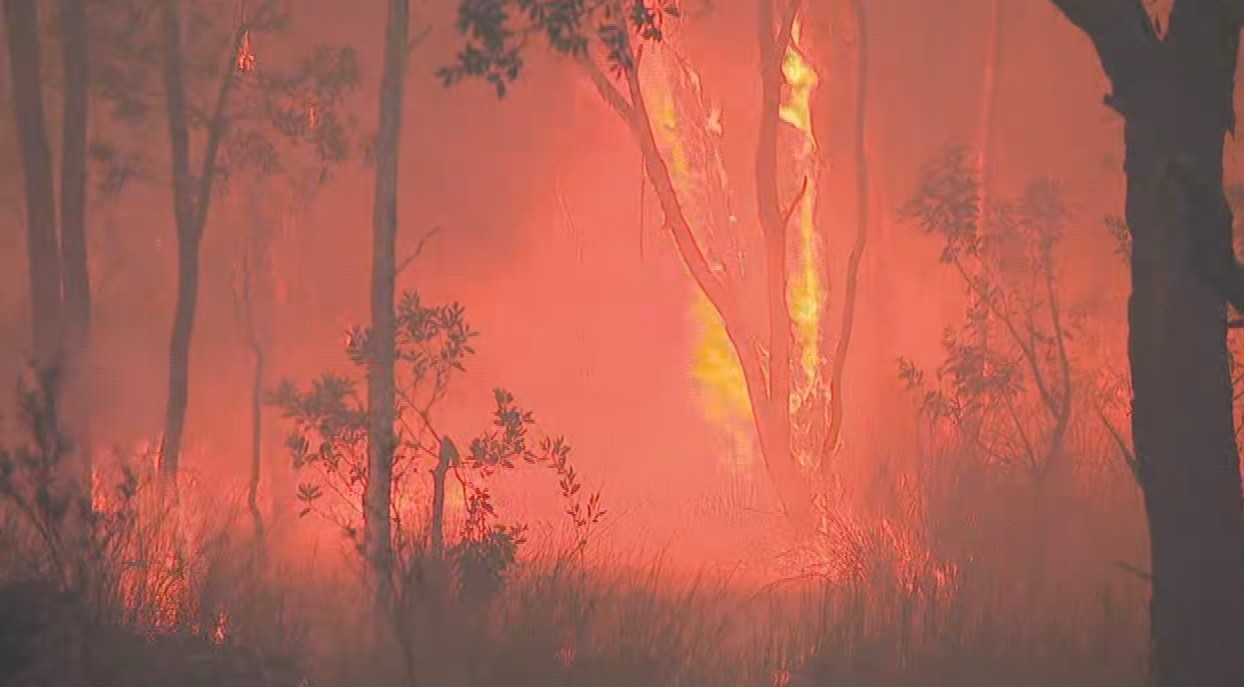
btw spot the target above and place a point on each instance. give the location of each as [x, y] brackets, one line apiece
[73, 250]
[775, 224]
[25, 63]
[191, 202]
[256, 472]
[988, 106]
[863, 204]
[1175, 95]
[377, 498]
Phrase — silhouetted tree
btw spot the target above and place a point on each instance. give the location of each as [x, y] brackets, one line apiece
[1174, 90]
[250, 108]
[59, 278]
[1007, 386]
[377, 535]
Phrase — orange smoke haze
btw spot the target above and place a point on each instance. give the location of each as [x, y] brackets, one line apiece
[558, 256]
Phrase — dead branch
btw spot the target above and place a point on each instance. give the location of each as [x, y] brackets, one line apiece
[418, 249]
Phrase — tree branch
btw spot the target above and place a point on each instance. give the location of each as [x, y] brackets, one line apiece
[1127, 43]
[418, 249]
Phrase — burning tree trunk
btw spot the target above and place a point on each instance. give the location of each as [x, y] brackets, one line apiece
[1175, 95]
[191, 201]
[781, 365]
[381, 392]
[767, 378]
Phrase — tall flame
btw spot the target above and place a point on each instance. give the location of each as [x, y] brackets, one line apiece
[689, 130]
[806, 292]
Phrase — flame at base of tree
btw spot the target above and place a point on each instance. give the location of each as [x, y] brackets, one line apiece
[689, 129]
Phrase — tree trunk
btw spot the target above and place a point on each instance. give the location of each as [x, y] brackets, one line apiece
[191, 201]
[863, 200]
[988, 106]
[1176, 98]
[25, 63]
[73, 251]
[378, 545]
[256, 472]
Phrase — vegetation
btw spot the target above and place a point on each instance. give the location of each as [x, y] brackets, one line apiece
[1002, 543]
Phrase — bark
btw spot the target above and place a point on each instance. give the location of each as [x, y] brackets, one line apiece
[445, 460]
[775, 411]
[76, 290]
[254, 301]
[377, 498]
[863, 200]
[23, 31]
[191, 202]
[770, 407]
[1175, 95]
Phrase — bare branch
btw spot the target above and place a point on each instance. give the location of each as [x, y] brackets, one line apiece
[401, 266]
[609, 92]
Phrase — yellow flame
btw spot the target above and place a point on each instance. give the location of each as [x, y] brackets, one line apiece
[806, 293]
[715, 368]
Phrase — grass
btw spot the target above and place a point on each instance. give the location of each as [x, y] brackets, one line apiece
[148, 595]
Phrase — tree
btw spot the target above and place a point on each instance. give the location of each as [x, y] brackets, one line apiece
[381, 391]
[59, 278]
[251, 107]
[1007, 386]
[1174, 91]
[254, 299]
[330, 439]
[793, 392]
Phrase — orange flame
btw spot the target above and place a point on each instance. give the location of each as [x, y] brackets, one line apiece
[246, 56]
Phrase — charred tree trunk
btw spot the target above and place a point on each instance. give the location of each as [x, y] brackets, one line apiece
[25, 62]
[377, 498]
[446, 458]
[191, 201]
[73, 252]
[1175, 95]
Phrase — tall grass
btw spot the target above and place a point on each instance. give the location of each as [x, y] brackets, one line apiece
[150, 594]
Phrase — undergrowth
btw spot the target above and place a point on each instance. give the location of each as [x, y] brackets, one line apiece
[131, 592]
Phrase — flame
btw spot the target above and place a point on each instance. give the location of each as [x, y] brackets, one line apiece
[246, 56]
[313, 112]
[806, 293]
[220, 632]
[687, 129]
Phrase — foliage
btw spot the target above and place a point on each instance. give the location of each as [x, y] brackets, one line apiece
[72, 539]
[1006, 382]
[278, 119]
[330, 437]
[497, 31]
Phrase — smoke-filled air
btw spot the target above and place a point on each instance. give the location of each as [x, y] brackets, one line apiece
[620, 343]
